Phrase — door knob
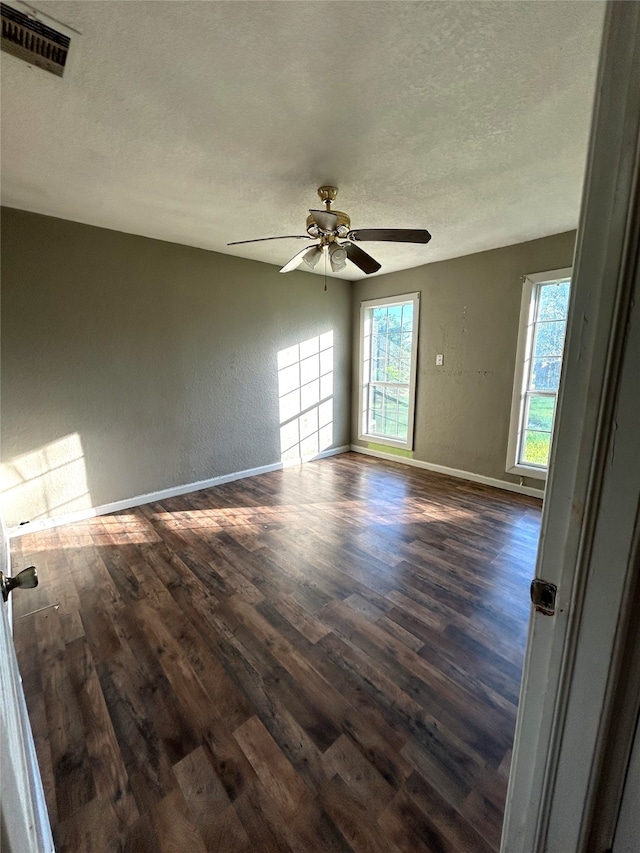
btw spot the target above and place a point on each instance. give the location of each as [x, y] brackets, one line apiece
[26, 579]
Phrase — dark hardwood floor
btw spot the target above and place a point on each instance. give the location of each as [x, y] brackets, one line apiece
[325, 658]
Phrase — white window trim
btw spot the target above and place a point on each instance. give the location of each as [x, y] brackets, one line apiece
[362, 385]
[525, 330]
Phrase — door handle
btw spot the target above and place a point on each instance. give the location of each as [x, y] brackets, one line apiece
[26, 579]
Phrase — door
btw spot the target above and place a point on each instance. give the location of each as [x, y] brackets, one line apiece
[24, 823]
[590, 528]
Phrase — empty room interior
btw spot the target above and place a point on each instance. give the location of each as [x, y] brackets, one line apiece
[283, 495]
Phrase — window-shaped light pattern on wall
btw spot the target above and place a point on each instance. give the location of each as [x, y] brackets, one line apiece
[305, 385]
[543, 363]
[46, 482]
[388, 368]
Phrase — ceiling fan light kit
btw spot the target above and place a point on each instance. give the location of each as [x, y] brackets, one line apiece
[312, 256]
[337, 256]
[328, 226]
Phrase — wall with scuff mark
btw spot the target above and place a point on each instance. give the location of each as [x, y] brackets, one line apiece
[469, 312]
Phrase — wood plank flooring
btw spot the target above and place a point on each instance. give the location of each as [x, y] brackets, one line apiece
[325, 658]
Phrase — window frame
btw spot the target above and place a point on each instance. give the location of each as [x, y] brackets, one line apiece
[524, 355]
[364, 383]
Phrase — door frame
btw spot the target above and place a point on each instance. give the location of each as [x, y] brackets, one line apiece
[590, 524]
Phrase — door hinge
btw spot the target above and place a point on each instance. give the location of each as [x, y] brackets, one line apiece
[543, 596]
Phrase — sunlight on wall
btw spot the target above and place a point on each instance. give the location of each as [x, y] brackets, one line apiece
[45, 482]
[305, 390]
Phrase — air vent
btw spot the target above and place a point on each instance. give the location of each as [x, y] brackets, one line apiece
[33, 41]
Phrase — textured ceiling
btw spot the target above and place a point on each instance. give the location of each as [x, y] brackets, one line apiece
[206, 122]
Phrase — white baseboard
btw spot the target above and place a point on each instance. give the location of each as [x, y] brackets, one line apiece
[174, 492]
[452, 472]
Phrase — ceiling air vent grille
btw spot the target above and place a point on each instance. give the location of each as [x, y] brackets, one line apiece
[33, 41]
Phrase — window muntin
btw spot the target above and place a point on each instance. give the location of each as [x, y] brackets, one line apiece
[387, 366]
[540, 349]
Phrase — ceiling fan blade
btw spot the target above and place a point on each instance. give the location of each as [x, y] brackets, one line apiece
[296, 260]
[391, 235]
[361, 259]
[262, 239]
[325, 219]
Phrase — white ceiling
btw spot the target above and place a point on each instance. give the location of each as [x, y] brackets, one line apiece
[206, 122]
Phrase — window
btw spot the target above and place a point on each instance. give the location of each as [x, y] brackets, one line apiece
[389, 339]
[543, 323]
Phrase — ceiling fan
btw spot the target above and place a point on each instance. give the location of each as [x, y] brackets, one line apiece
[331, 226]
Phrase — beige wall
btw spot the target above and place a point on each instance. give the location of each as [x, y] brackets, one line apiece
[469, 311]
[132, 365]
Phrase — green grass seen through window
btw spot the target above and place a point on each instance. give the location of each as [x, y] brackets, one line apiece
[541, 413]
[537, 436]
[536, 448]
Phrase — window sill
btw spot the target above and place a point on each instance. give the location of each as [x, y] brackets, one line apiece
[389, 442]
[527, 471]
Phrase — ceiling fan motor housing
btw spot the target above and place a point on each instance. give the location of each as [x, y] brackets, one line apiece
[327, 194]
[342, 228]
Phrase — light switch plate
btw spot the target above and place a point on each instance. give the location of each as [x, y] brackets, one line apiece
[439, 360]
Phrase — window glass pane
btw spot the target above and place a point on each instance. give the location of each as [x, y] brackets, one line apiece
[389, 359]
[395, 316]
[393, 345]
[378, 373]
[390, 413]
[554, 301]
[380, 413]
[540, 413]
[389, 410]
[396, 406]
[549, 338]
[378, 345]
[545, 374]
[535, 448]
[531, 430]
[379, 320]
[393, 371]
[407, 317]
[375, 409]
[403, 412]
[390, 345]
